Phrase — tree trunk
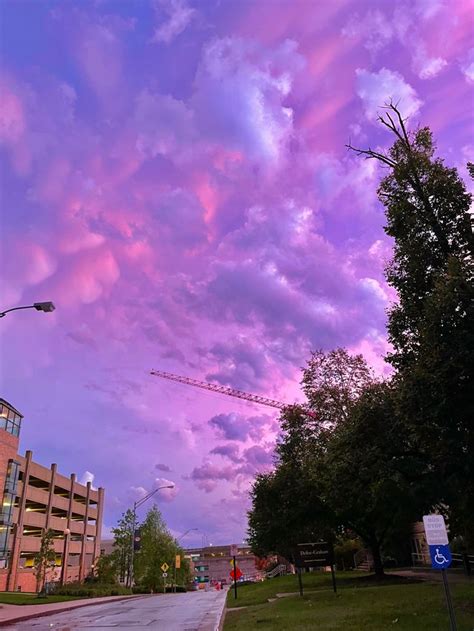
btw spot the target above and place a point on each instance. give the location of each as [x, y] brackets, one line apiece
[378, 566]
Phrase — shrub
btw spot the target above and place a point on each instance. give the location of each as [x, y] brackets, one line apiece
[91, 590]
[140, 589]
[180, 589]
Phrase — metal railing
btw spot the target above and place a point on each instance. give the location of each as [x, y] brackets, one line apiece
[277, 571]
[363, 558]
[460, 561]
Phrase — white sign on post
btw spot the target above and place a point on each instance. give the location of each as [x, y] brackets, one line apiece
[234, 550]
[435, 530]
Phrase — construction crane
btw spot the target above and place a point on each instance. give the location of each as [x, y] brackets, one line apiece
[213, 387]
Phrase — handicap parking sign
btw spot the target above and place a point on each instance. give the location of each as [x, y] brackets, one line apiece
[440, 557]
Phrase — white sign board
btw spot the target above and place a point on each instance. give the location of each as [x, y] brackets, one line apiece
[435, 530]
[234, 550]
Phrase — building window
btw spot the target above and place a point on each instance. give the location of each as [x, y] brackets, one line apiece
[11, 480]
[8, 505]
[9, 420]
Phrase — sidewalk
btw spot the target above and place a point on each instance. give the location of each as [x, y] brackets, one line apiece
[433, 575]
[10, 614]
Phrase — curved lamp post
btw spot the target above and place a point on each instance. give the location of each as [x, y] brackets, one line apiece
[46, 307]
[136, 505]
[177, 541]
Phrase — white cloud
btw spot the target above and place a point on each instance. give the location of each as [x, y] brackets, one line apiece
[240, 95]
[378, 88]
[166, 495]
[427, 67]
[87, 476]
[179, 15]
[467, 66]
[374, 28]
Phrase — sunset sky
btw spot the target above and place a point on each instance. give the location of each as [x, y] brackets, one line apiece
[175, 179]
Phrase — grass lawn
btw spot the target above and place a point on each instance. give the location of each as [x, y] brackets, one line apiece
[19, 598]
[360, 605]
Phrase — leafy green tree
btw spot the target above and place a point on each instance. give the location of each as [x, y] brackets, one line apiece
[123, 536]
[157, 547]
[45, 559]
[108, 568]
[286, 510]
[332, 381]
[431, 328]
[367, 474]
[287, 504]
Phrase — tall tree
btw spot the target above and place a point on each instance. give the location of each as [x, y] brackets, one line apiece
[431, 328]
[287, 504]
[332, 381]
[123, 537]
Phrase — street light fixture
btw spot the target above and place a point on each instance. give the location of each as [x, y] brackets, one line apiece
[136, 505]
[177, 541]
[46, 307]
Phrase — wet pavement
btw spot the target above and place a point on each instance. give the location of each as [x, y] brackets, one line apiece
[192, 611]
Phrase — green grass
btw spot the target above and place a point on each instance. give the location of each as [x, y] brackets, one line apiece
[258, 593]
[19, 598]
[359, 606]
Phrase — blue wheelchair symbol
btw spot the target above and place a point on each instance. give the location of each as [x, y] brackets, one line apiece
[440, 557]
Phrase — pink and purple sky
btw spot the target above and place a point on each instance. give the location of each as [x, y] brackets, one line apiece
[174, 178]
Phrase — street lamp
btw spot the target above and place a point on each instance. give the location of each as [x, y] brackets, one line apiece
[46, 307]
[136, 505]
[177, 541]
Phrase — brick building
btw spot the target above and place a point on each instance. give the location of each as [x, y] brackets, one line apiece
[214, 563]
[37, 498]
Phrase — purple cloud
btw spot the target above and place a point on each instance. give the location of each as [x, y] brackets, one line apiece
[240, 428]
[230, 451]
[162, 467]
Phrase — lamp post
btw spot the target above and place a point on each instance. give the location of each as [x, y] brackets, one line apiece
[136, 505]
[177, 541]
[46, 307]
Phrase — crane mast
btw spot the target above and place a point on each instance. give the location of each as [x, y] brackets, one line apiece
[231, 392]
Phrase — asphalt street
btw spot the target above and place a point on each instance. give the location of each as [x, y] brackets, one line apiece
[193, 611]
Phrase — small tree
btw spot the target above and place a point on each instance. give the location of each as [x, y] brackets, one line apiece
[108, 568]
[45, 559]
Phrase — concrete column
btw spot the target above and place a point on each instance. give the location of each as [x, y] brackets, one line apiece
[66, 540]
[16, 548]
[98, 524]
[51, 494]
[82, 567]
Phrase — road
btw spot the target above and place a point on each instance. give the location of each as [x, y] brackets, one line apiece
[193, 611]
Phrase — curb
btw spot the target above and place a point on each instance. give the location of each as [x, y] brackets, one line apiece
[213, 622]
[220, 625]
[42, 614]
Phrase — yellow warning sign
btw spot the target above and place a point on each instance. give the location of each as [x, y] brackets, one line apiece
[165, 567]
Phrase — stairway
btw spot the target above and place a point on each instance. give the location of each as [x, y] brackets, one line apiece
[363, 561]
